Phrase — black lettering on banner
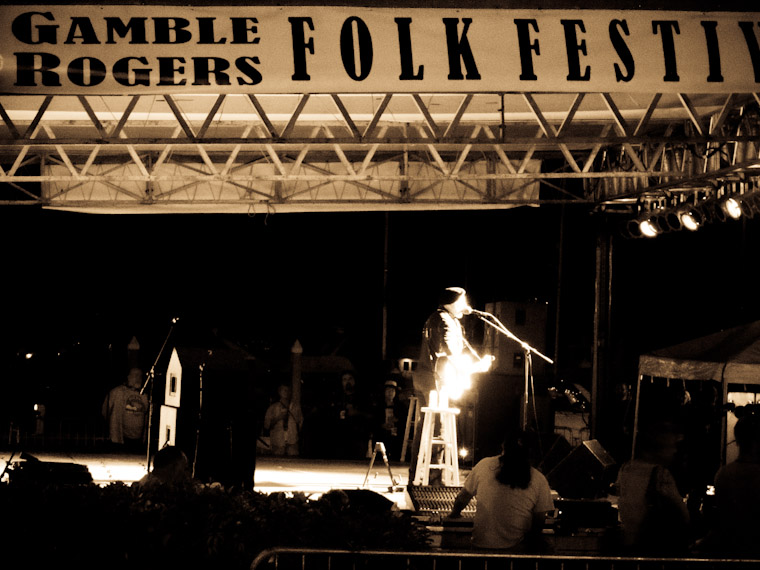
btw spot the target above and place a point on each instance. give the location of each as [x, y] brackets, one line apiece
[172, 30]
[135, 27]
[168, 68]
[622, 50]
[459, 49]
[86, 72]
[241, 30]
[526, 46]
[86, 33]
[405, 51]
[206, 34]
[46, 33]
[667, 27]
[202, 69]
[754, 49]
[573, 48]
[300, 46]
[347, 44]
[244, 66]
[28, 64]
[122, 73]
[713, 51]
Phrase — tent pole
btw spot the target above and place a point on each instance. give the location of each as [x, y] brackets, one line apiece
[636, 417]
[723, 418]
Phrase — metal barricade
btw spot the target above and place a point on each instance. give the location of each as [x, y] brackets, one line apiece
[327, 559]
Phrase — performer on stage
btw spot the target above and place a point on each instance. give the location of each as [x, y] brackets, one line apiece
[446, 357]
[445, 353]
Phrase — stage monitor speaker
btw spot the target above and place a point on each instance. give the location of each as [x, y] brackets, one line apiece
[360, 499]
[553, 450]
[586, 473]
[34, 471]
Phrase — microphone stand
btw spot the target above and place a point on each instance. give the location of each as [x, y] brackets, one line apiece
[149, 380]
[493, 321]
[202, 367]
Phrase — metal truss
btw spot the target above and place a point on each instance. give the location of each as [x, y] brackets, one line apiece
[318, 152]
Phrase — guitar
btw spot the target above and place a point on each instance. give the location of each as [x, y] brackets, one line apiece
[454, 372]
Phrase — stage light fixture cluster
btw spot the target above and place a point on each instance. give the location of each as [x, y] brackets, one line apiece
[662, 217]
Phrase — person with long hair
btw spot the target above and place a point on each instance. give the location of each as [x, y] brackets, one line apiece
[513, 497]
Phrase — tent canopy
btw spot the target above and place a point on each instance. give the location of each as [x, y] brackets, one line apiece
[730, 356]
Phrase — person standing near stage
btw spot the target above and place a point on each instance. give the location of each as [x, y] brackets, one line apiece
[125, 409]
[283, 420]
[513, 497]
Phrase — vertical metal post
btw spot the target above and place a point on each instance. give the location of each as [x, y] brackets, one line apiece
[602, 301]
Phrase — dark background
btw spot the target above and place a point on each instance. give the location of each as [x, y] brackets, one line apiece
[77, 287]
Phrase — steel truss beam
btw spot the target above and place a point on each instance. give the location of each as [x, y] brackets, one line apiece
[354, 152]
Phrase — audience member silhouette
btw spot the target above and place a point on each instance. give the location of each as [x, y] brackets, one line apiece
[737, 492]
[653, 514]
[170, 468]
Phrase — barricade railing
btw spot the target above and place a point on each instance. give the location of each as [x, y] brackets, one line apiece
[328, 559]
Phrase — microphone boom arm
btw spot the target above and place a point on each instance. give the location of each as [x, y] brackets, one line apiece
[491, 320]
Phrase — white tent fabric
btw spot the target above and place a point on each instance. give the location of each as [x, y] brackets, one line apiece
[731, 356]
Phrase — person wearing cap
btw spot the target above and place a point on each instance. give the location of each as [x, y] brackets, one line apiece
[389, 419]
[444, 343]
[444, 347]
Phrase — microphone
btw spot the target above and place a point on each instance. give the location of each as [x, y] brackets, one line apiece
[471, 311]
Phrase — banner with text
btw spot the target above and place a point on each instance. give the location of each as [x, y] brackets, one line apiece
[98, 49]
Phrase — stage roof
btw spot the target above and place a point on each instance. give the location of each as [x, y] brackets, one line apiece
[606, 109]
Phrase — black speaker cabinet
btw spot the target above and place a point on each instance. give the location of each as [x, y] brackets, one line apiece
[209, 409]
[586, 473]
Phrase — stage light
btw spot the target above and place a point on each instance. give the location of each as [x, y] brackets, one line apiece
[691, 218]
[732, 207]
[648, 228]
[749, 205]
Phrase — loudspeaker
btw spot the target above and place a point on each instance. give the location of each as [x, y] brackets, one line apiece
[499, 400]
[34, 471]
[586, 473]
[210, 411]
[527, 321]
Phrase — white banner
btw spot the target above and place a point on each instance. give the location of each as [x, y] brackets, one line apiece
[248, 49]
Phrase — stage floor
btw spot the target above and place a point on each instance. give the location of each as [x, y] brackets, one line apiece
[272, 474]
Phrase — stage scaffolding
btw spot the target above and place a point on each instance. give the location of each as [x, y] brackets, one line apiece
[271, 153]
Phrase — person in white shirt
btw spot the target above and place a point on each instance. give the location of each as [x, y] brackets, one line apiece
[513, 498]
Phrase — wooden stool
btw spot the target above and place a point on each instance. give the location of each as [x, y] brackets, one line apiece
[443, 443]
